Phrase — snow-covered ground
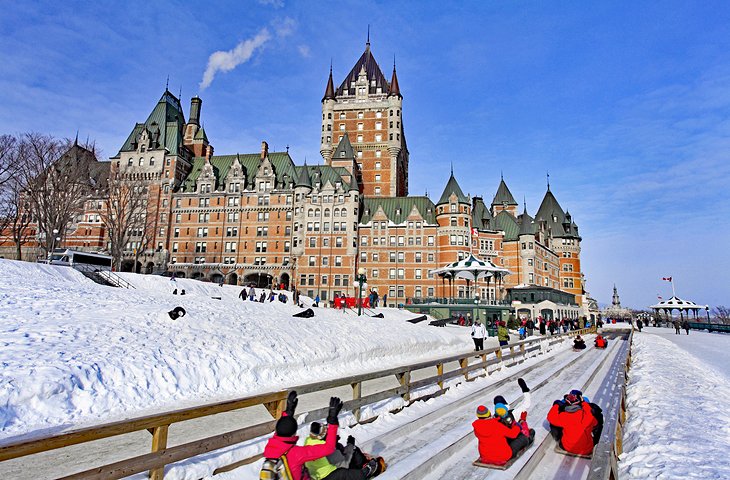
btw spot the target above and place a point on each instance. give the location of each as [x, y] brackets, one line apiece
[678, 423]
[73, 352]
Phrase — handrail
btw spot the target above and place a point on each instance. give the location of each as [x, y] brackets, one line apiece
[274, 402]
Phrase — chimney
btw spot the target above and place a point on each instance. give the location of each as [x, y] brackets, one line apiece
[264, 150]
[195, 104]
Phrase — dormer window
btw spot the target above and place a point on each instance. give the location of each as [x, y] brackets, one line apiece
[342, 154]
[266, 170]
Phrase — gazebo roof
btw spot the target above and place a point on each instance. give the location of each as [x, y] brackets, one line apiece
[471, 264]
[677, 303]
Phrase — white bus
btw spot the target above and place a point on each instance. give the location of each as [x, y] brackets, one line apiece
[84, 261]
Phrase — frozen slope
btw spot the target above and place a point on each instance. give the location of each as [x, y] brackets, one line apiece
[74, 352]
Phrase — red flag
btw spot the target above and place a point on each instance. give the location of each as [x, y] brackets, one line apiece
[474, 232]
[659, 297]
[668, 279]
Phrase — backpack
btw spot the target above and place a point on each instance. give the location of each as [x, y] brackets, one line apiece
[275, 469]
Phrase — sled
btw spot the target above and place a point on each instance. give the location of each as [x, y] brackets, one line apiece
[560, 450]
[418, 319]
[505, 466]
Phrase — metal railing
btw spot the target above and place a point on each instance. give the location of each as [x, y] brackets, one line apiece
[456, 301]
[274, 402]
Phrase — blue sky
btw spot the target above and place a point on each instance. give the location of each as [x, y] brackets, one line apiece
[626, 104]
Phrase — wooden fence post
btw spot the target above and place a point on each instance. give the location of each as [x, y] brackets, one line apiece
[440, 373]
[356, 395]
[484, 361]
[405, 380]
[159, 442]
[276, 408]
[464, 363]
[499, 358]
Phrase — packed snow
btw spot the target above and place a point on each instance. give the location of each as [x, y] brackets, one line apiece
[75, 353]
[678, 423]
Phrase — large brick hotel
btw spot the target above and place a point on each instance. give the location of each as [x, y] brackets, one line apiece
[260, 218]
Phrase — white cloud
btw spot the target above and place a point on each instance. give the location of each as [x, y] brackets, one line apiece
[304, 51]
[284, 27]
[225, 61]
[272, 3]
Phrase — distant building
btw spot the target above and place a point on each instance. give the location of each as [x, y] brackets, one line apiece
[616, 310]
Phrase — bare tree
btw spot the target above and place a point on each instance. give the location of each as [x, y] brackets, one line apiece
[15, 215]
[57, 180]
[125, 215]
[721, 313]
[8, 160]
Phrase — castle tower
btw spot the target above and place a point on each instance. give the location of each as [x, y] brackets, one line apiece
[503, 200]
[453, 214]
[368, 109]
[616, 303]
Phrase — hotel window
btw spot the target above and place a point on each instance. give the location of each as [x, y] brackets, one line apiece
[377, 190]
[377, 177]
[360, 115]
[342, 126]
[359, 154]
[391, 273]
[378, 125]
[430, 241]
[311, 261]
[378, 137]
[378, 153]
[174, 246]
[376, 257]
[359, 139]
[338, 261]
[359, 126]
[342, 115]
[419, 257]
[378, 114]
[418, 274]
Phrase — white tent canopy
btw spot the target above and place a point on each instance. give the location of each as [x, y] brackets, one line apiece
[472, 269]
[676, 303]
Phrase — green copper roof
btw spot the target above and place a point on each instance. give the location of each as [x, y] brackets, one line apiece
[527, 224]
[480, 216]
[282, 164]
[551, 212]
[344, 148]
[503, 195]
[508, 224]
[200, 135]
[397, 209]
[452, 187]
[167, 117]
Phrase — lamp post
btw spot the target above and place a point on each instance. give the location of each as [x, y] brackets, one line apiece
[53, 243]
[707, 311]
[360, 278]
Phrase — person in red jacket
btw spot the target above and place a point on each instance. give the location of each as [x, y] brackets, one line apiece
[600, 341]
[575, 423]
[284, 441]
[500, 437]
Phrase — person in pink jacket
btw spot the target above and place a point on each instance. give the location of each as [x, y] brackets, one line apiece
[284, 441]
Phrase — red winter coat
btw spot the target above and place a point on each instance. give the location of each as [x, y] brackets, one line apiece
[492, 435]
[577, 428]
[296, 455]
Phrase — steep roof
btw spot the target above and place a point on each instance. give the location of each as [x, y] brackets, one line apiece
[503, 195]
[167, 118]
[394, 88]
[200, 135]
[527, 224]
[372, 71]
[344, 148]
[551, 212]
[452, 186]
[282, 165]
[508, 224]
[391, 206]
[80, 160]
[303, 178]
[481, 218]
[329, 91]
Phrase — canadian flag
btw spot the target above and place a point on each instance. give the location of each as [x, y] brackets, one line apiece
[659, 297]
[668, 279]
[474, 232]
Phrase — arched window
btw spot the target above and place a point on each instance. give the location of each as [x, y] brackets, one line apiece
[130, 162]
[326, 212]
[336, 212]
[141, 161]
[152, 161]
[343, 212]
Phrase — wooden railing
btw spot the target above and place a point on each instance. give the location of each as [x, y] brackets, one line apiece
[158, 424]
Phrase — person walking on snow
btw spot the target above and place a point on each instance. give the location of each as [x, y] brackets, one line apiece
[243, 294]
[502, 334]
[685, 325]
[676, 327]
[639, 324]
[478, 334]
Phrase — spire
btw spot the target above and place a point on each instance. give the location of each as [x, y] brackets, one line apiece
[394, 88]
[167, 84]
[367, 44]
[452, 187]
[76, 141]
[304, 179]
[329, 92]
[503, 195]
[548, 181]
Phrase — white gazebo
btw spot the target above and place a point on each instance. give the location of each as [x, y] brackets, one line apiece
[676, 303]
[471, 269]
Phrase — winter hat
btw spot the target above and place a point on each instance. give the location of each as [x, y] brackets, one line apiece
[316, 430]
[499, 399]
[501, 410]
[483, 412]
[286, 427]
[571, 399]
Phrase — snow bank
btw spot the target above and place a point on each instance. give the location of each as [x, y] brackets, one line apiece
[678, 422]
[74, 352]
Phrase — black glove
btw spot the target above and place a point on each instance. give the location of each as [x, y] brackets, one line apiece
[334, 410]
[351, 440]
[523, 385]
[559, 403]
[291, 403]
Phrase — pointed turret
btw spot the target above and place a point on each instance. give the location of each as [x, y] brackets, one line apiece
[304, 179]
[394, 88]
[354, 184]
[452, 187]
[527, 223]
[329, 91]
[551, 213]
[344, 149]
[503, 196]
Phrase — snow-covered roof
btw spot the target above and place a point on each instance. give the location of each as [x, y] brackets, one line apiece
[677, 303]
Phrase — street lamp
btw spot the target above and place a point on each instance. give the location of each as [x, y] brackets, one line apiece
[360, 278]
[53, 243]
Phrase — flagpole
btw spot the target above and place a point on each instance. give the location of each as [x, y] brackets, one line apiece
[672, 282]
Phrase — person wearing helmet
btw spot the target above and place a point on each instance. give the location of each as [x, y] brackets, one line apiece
[575, 423]
[600, 341]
